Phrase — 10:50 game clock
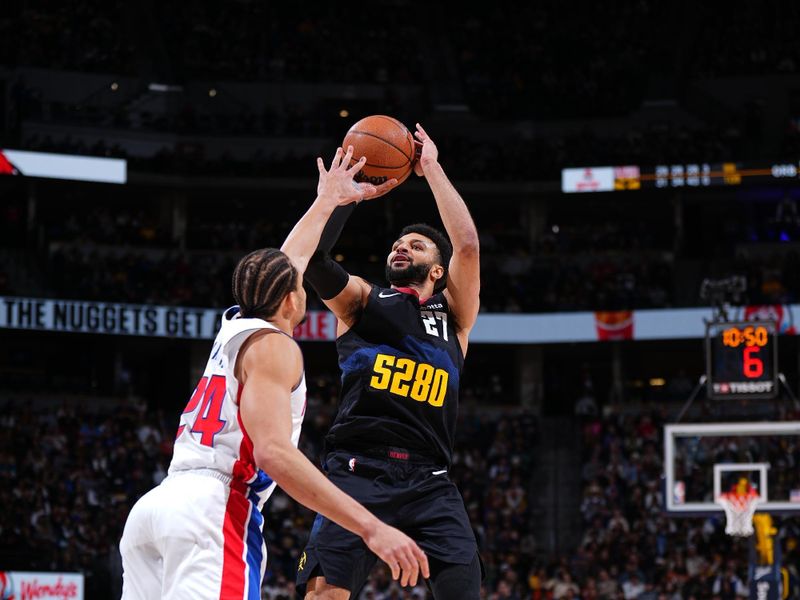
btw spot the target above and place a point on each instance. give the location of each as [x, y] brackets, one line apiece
[742, 359]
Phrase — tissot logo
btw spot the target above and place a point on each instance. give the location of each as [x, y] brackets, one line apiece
[744, 387]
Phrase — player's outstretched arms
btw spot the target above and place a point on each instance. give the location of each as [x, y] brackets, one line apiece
[342, 293]
[269, 368]
[335, 188]
[464, 277]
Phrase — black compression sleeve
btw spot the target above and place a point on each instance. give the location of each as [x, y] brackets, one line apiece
[333, 228]
[325, 275]
[455, 582]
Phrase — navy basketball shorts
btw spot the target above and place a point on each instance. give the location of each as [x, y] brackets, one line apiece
[415, 496]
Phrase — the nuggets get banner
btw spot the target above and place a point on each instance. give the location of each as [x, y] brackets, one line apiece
[77, 316]
[134, 319]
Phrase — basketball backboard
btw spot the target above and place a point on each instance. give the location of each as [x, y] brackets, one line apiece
[703, 460]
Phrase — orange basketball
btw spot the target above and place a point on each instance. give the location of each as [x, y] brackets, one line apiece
[388, 146]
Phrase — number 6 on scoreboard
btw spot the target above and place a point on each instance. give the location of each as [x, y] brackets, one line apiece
[752, 366]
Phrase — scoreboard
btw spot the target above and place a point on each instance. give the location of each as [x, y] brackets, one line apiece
[718, 175]
[742, 359]
[666, 176]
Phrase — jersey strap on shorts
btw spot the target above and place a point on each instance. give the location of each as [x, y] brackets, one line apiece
[401, 364]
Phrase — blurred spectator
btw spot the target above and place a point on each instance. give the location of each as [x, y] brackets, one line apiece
[633, 588]
[561, 586]
[728, 586]
[586, 405]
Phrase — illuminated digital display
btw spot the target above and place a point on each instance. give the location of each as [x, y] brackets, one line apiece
[666, 176]
[742, 359]
[716, 174]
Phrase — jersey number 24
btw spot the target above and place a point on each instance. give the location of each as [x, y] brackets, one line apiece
[211, 390]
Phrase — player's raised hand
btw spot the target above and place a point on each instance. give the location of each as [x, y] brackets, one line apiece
[427, 152]
[406, 560]
[337, 183]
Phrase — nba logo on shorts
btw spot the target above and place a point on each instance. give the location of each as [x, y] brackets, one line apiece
[352, 464]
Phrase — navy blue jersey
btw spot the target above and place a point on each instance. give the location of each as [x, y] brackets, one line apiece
[401, 364]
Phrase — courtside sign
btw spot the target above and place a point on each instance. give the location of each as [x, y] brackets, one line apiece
[30, 585]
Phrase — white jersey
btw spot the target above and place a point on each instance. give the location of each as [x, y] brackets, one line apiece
[211, 434]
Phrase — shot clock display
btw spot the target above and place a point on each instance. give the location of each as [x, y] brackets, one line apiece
[742, 359]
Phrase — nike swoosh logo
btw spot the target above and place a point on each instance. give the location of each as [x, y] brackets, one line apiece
[439, 472]
[382, 295]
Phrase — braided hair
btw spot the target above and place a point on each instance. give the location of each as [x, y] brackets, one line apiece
[261, 281]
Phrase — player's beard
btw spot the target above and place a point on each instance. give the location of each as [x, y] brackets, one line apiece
[409, 275]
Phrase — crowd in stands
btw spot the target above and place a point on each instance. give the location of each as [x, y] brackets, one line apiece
[630, 549]
[502, 70]
[522, 282]
[513, 283]
[467, 158]
[69, 476]
[767, 44]
[507, 65]
[254, 41]
[128, 251]
[515, 66]
[87, 35]
[161, 278]
[499, 68]
[250, 41]
[772, 279]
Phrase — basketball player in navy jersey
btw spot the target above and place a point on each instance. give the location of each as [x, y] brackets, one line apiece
[401, 351]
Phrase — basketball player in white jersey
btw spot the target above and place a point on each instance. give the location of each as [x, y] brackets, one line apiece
[198, 535]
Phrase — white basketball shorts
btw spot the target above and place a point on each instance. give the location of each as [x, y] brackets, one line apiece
[193, 537]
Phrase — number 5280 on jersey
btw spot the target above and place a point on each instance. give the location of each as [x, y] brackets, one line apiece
[408, 378]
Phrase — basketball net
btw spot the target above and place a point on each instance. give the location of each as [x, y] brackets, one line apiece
[739, 510]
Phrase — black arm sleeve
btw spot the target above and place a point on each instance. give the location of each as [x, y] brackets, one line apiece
[324, 274]
[333, 228]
